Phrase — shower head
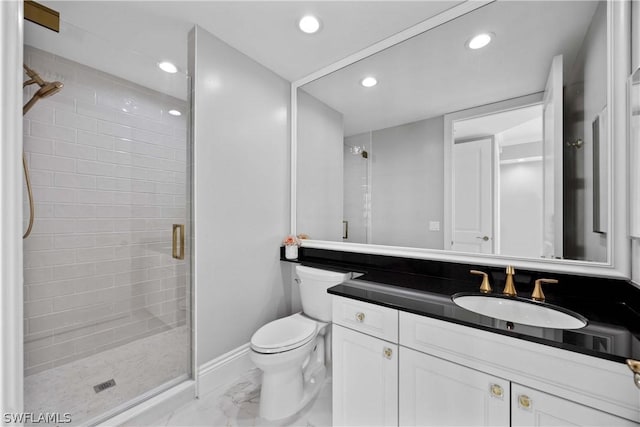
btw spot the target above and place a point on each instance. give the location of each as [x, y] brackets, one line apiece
[46, 88]
[49, 89]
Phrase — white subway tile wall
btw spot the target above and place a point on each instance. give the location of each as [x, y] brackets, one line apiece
[108, 168]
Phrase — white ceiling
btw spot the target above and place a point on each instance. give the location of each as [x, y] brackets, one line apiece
[127, 38]
[434, 73]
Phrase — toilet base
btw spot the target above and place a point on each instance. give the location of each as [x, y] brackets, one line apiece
[286, 391]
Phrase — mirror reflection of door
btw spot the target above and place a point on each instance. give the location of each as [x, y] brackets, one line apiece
[472, 211]
[552, 166]
[499, 174]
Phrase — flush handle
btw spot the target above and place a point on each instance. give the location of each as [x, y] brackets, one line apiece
[360, 316]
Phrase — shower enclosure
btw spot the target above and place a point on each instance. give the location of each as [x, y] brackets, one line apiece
[357, 188]
[107, 295]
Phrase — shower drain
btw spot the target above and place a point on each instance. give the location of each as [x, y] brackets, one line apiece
[105, 385]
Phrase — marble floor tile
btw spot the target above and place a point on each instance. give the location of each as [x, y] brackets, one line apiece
[238, 405]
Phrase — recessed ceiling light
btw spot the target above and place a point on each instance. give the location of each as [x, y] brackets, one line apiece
[175, 113]
[309, 24]
[168, 67]
[480, 41]
[369, 81]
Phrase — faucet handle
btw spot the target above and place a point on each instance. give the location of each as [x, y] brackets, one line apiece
[485, 287]
[537, 294]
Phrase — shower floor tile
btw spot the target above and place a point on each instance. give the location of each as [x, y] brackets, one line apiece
[238, 405]
[136, 367]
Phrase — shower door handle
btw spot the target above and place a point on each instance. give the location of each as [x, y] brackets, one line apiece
[178, 246]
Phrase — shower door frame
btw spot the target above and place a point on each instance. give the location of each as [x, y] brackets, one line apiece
[11, 275]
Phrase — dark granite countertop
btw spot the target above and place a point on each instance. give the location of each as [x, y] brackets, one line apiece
[612, 332]
[424, 287]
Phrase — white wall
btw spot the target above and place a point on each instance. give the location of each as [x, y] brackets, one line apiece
[241, 172]
[11, 321]
[320, 169]
[407, 181]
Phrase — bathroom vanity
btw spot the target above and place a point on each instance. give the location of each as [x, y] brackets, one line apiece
[397, 363]
[405, 354]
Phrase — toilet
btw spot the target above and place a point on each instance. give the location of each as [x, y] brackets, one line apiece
[291, 351]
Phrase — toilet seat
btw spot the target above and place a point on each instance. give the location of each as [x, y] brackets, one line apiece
[284, 334]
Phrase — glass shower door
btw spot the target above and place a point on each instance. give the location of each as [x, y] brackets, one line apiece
[107, 292]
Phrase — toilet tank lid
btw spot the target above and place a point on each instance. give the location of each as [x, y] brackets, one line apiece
[322, 275]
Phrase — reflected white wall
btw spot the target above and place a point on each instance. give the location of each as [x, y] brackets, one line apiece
[320, 169]
[521, 209]
[407, 181]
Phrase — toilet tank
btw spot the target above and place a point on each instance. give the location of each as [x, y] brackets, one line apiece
[314, 282]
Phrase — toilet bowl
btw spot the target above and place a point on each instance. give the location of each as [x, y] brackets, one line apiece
[282, 349]
[291, 351]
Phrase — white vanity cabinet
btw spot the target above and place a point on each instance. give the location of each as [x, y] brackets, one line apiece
[391, 368]
[365, 364]
[434, 392]
[365, 379]
[534, 408]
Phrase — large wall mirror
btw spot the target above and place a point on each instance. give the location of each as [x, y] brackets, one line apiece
[499, 151]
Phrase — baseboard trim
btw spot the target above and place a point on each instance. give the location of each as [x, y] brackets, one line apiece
[224, 369]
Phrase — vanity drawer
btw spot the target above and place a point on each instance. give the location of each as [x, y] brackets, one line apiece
[375, 320]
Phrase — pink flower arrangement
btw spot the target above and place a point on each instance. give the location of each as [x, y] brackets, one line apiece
[291, 241]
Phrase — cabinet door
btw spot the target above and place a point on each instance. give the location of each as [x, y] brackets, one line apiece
[535, 408]
[434, 392]
[365, 380]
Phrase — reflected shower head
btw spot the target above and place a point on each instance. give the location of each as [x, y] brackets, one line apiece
[46, 88]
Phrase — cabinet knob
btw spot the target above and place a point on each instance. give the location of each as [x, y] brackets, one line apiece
[388, 352]
[496, 390]
[524, 401]
[360, 317]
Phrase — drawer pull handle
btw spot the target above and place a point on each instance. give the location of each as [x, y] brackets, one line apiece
[634, 365]
[524, 401]
[388, 352]
[360, 317]
[496, 390]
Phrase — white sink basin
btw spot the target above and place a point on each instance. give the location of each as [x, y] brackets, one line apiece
[520, 310]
